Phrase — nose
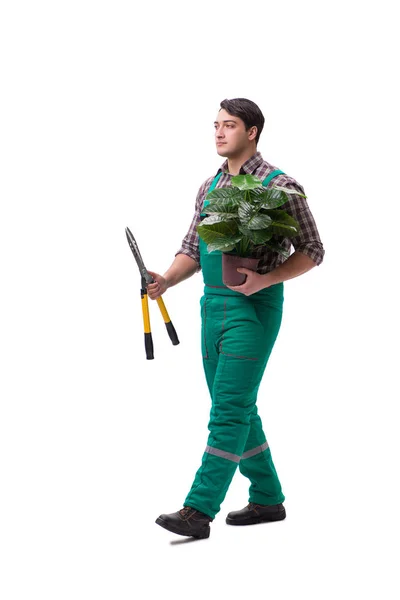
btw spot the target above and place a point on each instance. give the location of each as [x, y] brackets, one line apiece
[219, 133]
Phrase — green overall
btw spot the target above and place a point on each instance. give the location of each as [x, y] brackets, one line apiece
[237, 336]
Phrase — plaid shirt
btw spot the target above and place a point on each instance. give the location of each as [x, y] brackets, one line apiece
[307, 242]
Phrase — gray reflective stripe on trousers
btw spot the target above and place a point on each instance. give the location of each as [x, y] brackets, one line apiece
[255, 451]
[235, 457]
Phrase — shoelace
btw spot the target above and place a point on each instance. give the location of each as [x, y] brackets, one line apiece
[184, 511]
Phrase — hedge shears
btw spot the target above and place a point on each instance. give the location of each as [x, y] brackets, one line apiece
[146, 279]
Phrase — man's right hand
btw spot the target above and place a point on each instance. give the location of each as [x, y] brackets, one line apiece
[156, 289]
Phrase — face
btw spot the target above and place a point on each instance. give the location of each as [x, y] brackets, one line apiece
[231, 137]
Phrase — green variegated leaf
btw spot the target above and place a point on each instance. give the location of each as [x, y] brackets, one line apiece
[259, 221]
[218, 231]
[287, 191]
[283, 223]
[251, 218]
[269, 198]
[246, 182]
[219, 236]
[257, 236]
[223, 245]
[228, 193]
[246, 210]
[220, 218]
[222, 206]
[278, 248]
[284, 229]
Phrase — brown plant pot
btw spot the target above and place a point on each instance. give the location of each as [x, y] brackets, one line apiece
[231, 262]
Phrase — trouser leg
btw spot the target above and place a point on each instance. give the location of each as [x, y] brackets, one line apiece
[256, 462]
[229, 428]
[257, 465]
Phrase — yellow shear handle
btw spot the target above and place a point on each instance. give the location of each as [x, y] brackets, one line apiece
[167, 321]
[148, 340]
[146, 315]
[164, 311]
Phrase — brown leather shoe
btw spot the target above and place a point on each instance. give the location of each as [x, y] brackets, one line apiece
[256, 513]
[186, 521]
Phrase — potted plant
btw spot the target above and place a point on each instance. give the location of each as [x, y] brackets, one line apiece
[242, 218]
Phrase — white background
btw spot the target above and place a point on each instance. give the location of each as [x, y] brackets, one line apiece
[106, 122]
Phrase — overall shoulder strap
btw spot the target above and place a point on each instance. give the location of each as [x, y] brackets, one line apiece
[212, 186]
[214, 183]
[271, 176]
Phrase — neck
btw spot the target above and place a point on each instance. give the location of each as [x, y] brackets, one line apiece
[235, 162]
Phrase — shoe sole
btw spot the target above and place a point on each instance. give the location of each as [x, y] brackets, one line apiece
[173, 529]
[256, 520]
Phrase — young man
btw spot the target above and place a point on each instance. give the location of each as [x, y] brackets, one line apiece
[239, 328]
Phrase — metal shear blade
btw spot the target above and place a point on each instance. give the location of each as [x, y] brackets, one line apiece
[136, 253]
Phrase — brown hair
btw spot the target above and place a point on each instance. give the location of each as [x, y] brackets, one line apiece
[246, 110]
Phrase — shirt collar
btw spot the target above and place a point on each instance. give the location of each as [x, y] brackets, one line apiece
[248, 167]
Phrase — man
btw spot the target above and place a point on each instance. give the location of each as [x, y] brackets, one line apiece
[239, 328]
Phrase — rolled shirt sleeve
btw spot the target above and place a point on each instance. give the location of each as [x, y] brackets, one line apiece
[308, 241]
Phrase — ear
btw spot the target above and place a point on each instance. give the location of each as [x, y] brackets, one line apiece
[252, 133]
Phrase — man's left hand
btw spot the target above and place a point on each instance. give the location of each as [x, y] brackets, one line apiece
[254, 282]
